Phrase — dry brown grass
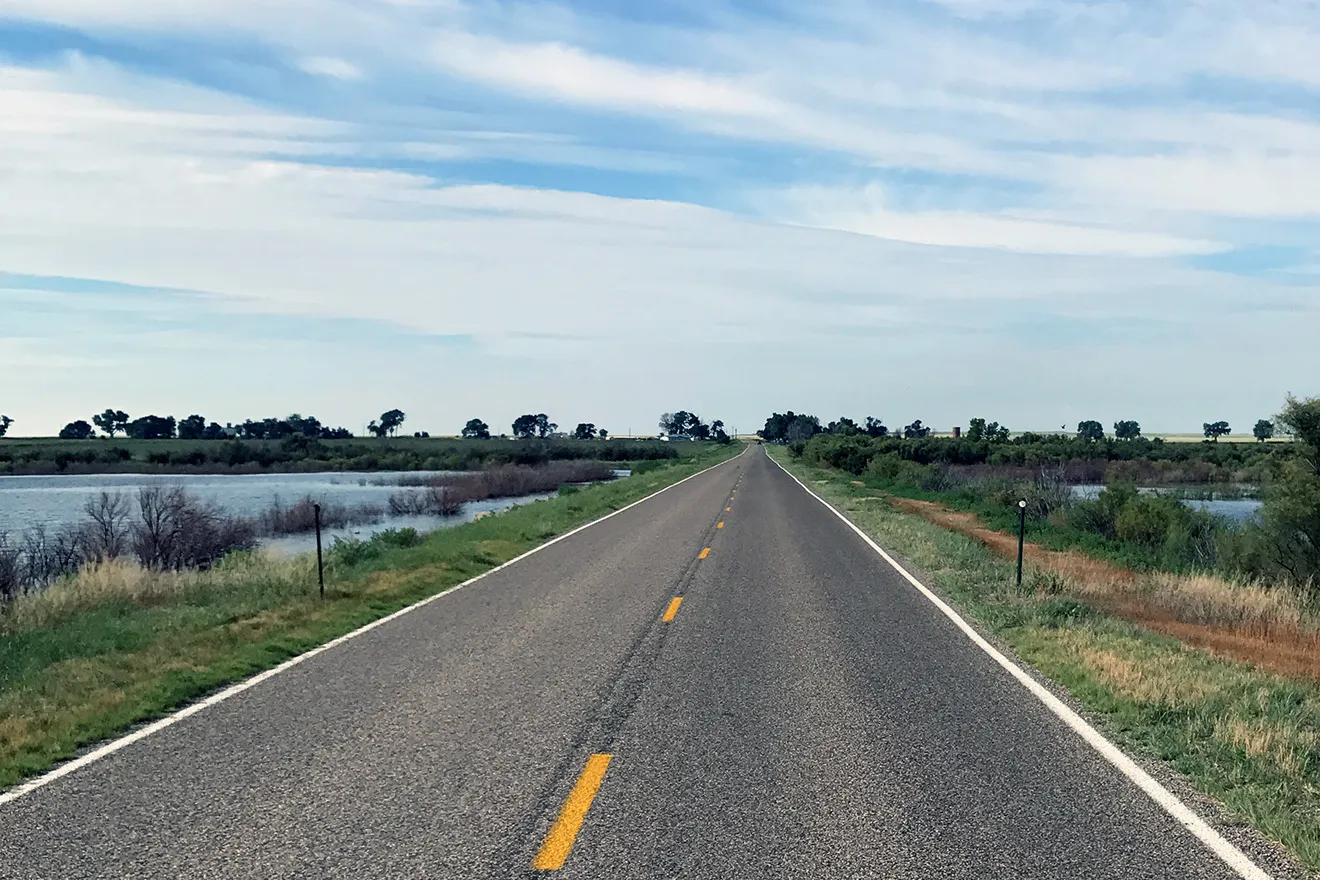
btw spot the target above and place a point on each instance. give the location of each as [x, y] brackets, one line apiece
[123, 580]
[1248, 621]
[1174, 682]
[1289, 748]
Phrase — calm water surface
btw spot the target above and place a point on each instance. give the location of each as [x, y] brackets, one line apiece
[1233, 509]
[53, 501]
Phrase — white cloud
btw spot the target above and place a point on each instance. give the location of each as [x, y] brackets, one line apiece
[335, 68]
[865, 212]
[1012, 193]
[557, 71]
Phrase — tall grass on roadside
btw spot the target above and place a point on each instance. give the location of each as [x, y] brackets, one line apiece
[124, 581]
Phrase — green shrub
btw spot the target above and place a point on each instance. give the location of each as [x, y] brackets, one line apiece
[397, 538]
[351, 551]
[1063, 612]
[1146, 520]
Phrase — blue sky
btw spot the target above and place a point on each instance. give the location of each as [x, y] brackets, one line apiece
[1035, 211]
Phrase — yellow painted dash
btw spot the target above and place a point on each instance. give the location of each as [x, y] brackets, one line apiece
[727, 509]
[719, 525]
[559, 841]
[672, 610]
[704, 553]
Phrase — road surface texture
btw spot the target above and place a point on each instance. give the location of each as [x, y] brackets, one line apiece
[802, 712]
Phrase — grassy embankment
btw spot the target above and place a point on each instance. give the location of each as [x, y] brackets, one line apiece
[30, 456]
[1249, 737]
[117, 645]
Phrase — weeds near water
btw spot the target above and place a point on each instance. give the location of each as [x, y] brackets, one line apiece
[300, 517]
[160, 528]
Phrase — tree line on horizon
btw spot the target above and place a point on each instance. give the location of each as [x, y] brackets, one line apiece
[779, 428]
[678, 424]
[196, 427]
[791, 427]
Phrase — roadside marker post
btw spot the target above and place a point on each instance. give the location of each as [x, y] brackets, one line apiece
[1022, 531]
[320, 566]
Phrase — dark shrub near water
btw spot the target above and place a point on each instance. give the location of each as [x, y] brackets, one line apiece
[445, 496]
[162, 528]
[300, 517]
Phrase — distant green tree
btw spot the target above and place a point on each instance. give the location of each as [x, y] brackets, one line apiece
[544, 427]
[151, 428]
[875, 428]
[192, 428]
[1090, 430]
[719, 435]
[524, 427]
[391, 421]
[916, 431]
[308, 426]
[603, 434]
[5, 422]
[845, 427]
[584, 431]
[1215, 430]
[803, 427]
[1263, 430]
[78, 430]
[1301, 418]
[476, 429]
[112, 421]
[789, 427]
[993, 432]
[214, 431]
[1127, 430]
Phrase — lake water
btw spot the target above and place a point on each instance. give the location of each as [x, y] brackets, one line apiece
[52, 501]
[1233, 509]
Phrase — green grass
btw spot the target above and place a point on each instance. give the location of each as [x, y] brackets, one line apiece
[106, 650]
[1248, 738]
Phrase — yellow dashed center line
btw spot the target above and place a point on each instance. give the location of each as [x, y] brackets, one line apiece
[704, 553]
[559, 842]
[719, 525]
[672, 610]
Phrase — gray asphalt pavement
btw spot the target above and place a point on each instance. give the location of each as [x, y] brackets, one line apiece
[806, 713]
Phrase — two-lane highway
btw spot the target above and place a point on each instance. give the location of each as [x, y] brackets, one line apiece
[722, 681]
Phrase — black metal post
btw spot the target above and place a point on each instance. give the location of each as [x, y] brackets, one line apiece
[1022, 531]
[320, 567]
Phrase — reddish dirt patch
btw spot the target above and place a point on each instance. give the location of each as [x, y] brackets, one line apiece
[1283, 649]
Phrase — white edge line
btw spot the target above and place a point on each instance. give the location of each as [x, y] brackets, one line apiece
[1185, 815]
[233, 690]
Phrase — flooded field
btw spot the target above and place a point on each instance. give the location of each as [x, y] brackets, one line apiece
[54, 501]
[1235, 509]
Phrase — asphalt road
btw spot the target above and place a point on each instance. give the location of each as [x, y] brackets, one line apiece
[805, 713]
